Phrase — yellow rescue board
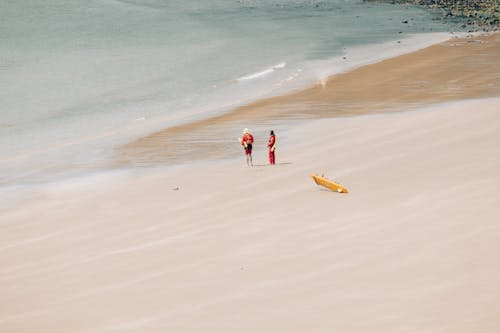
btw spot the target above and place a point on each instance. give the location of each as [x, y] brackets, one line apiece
[330, 184]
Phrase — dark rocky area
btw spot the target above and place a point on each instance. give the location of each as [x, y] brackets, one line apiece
[478, 15]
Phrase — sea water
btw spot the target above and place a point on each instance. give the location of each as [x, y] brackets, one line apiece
[81, 77]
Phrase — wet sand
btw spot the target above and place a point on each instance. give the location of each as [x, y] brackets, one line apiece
[460, 68]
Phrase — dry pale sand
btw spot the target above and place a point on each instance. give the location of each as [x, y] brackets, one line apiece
[221, 247]
[414, 247]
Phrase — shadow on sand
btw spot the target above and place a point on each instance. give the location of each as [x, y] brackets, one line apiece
[268, 165]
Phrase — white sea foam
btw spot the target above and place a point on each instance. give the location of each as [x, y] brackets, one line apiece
[262, 73]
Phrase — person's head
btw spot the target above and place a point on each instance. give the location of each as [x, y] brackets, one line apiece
[272, 133]
[245, 131]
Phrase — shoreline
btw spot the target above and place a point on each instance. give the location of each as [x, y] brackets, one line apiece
[103, 155]
[459, 68]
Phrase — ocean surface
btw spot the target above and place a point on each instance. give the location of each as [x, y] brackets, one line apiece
[79, 78]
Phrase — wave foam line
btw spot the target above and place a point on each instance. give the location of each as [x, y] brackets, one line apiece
[262, 73]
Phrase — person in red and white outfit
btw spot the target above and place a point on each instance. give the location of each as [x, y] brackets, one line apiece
[271, 145]
[247, 142]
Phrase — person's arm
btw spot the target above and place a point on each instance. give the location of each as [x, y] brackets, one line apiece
[274, 141]
[270, 144]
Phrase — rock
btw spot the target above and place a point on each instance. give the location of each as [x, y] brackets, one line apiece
[485, 14]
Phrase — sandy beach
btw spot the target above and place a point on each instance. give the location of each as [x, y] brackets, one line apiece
[217, 246]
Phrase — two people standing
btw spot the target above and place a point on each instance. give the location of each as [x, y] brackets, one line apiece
[247, 142]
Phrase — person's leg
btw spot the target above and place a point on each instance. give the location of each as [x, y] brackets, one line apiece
[273, 160]
[251, 161]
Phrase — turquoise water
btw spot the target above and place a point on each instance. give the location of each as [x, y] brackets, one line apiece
[79, 78]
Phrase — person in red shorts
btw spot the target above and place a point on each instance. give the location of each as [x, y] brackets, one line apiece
[271, 145]
[247, 142]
